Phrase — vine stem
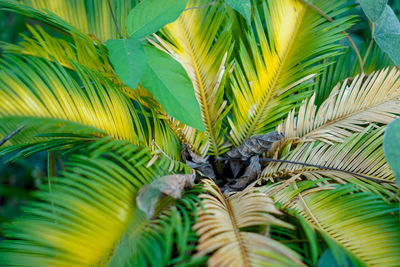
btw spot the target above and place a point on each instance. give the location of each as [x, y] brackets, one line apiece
[322, 13]
[114, 20]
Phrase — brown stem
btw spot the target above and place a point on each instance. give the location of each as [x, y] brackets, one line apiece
[322, 13]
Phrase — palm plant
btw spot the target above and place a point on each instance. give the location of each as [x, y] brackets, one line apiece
[325, 187]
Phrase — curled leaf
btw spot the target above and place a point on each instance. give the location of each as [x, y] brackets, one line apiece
[255, 145]
[170, 185]
[197, 162]
[251, 173]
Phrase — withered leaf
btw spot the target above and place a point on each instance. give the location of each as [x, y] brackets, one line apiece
[170, 185]
[255, 145]
[251, 173]
[197, 162]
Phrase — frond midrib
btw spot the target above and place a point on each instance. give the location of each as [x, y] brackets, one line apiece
[267, 98]
[331, 122]
[235, 228]
[213, 137]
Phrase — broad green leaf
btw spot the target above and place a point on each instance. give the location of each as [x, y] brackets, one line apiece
[129, 60]
[373, 8]
[329, 259]
[387, 34]
[243, 7]
[151, 15]
[391, 147]
[169, 83]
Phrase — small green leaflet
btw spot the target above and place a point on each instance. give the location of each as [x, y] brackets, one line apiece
[128, 59]
[169, 83]
[373, 8]
[391, 147]
[151, 15]
[243, 7]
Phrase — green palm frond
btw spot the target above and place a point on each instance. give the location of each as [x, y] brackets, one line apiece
[80, 49]
[152, 243]
[38, 88]
[200, 40]
[91, 17]
[78, 220]
[348, 109]
[361, 222]
[272, 61]
[222, 228]
[33, 87]
[50, 19]
[361, 155]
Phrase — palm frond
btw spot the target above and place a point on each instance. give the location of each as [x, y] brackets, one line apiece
[345, 66]
[348, 109]
[33, 87]
[77, 220]
[91, 17]
[80, 49]
[224, 223]
[361, 222]
[264, 85]
[200, 40]
[152, 243]
[360, 155]
[39, 89]
[50, 19]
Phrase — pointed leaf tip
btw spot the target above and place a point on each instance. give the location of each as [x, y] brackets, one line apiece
[169, 83]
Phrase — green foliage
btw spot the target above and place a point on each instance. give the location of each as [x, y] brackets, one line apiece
[168, 82]
[386, 27]
[373, 8]
[129, 60]
[391, 144]
[151, 15]
[112, 116]
[243, 7]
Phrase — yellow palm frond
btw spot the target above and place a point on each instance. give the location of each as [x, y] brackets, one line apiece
[39, 89]
[200, 40]
[221, 226]
[80, 219]
[91, 17]
[361, 222]
[272, 62]
[81, 49]
[360, 155]
[348, 109]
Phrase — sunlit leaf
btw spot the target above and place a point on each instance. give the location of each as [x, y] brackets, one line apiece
[150, 15]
